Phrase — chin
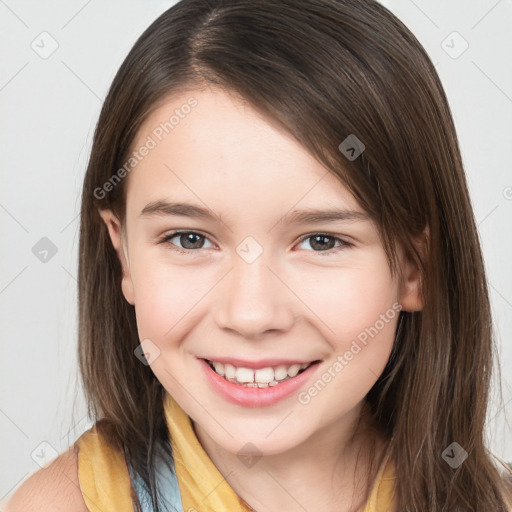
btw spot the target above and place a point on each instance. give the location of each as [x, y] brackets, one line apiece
[257, 444]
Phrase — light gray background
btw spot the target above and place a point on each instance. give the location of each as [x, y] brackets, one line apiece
[49, 107]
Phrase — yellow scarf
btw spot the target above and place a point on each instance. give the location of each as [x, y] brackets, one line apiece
[105, 481]
[202, 486]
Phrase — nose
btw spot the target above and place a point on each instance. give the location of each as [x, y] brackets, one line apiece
[255, 300]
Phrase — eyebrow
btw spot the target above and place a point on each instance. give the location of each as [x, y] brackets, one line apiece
[306, 216]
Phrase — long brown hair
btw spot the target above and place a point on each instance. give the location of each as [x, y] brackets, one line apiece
[323, 70]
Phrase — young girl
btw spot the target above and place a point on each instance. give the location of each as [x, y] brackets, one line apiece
[283, 302]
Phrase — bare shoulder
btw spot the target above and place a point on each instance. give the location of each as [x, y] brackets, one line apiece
[54, 488]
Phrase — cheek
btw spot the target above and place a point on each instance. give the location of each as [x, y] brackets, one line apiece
[357, 315]
[166, 297]
[352, 299]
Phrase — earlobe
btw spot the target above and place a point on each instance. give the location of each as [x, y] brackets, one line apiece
[118, 241]
[411, 292]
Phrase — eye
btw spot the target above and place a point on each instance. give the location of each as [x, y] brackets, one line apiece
[324, 242]
[190, 240]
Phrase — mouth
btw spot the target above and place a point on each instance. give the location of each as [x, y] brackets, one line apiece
[269, 376]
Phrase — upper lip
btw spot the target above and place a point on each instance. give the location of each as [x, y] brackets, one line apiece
[256, 365]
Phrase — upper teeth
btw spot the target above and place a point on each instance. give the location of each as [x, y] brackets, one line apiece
[262, 375]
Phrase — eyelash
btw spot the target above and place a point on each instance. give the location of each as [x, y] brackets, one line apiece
[169, 237]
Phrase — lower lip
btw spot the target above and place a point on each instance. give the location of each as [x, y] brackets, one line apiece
[256, 397]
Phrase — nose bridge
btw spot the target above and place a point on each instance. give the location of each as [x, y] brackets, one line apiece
[254, 299]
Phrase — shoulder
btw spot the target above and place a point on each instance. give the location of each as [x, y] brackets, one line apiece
[54, 488]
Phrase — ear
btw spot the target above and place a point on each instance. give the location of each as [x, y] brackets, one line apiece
[118, 239]
[411, 297]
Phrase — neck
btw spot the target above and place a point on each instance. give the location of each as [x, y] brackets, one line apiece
[328, 471]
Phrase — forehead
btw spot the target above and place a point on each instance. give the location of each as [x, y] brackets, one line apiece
[223, 153]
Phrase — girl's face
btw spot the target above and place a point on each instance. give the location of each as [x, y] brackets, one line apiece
[255, 283]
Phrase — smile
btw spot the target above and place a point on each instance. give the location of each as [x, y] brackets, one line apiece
[257, 387]
[260, 378]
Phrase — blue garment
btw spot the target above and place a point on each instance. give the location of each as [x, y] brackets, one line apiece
[167, 487]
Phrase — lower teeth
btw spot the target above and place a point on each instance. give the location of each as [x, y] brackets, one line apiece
[256, 384]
